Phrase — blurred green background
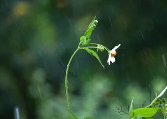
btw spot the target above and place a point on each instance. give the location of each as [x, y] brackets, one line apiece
[37, 38]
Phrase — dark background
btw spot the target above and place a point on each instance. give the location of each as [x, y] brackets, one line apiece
[37, 38]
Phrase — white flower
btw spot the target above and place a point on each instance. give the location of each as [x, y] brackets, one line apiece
[112, 53]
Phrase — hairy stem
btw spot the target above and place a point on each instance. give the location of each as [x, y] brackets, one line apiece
[88, 47]
[66, 80]
[101, 45]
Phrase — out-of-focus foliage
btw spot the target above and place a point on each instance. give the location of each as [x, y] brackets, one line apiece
[38, 37]
[150, 110]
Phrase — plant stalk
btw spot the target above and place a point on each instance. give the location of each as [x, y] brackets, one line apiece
[66, 81]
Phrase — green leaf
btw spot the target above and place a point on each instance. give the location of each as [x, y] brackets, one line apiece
[87, 41]
[72, 115]
[90, 28]
[95, 55]
[138, 117]
[83, 40]
[89, 117]
[145, 112]
[131, 110]
[163, 110]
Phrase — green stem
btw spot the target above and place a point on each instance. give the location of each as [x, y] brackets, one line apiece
[88, 47]
[66, 81]
[94, 43]
[101, 45]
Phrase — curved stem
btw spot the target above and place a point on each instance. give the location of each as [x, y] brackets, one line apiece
[66, 81]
